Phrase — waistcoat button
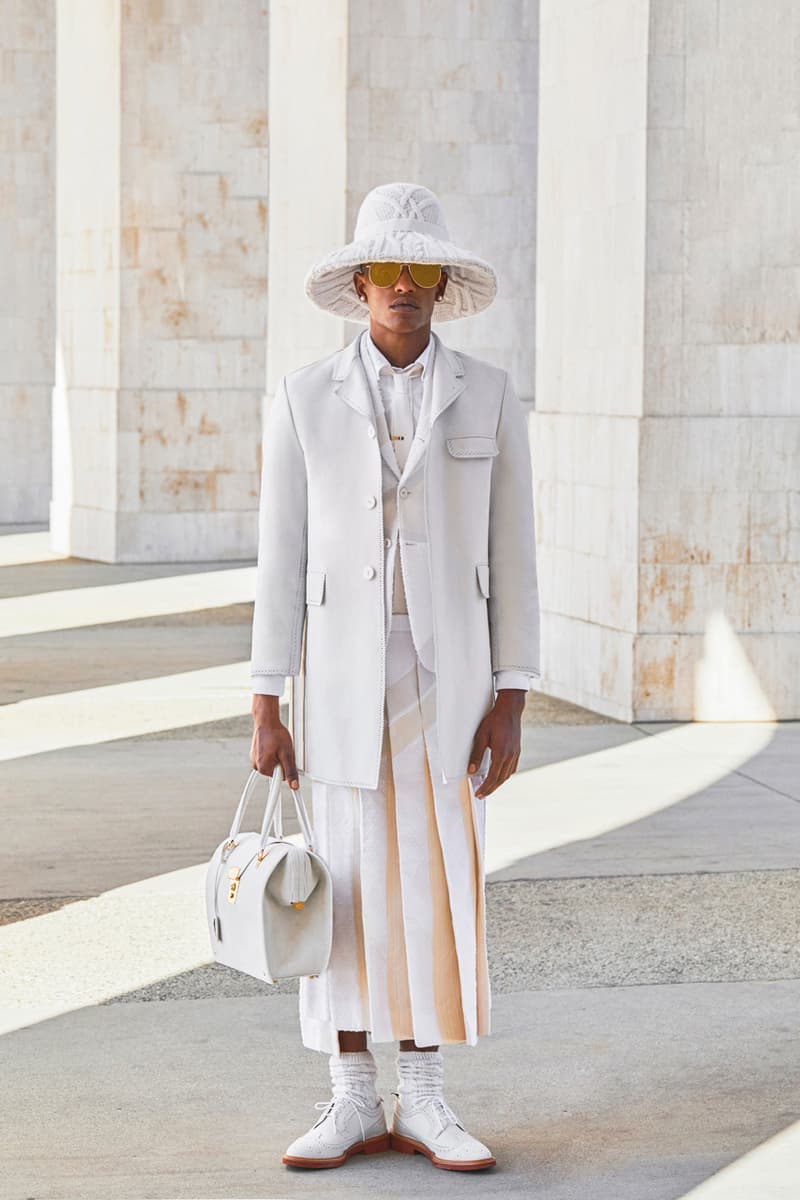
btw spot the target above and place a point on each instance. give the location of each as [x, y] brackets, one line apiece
[404, 492]
[370, 501]
[387, 542]
[369, 572]
[371, 430]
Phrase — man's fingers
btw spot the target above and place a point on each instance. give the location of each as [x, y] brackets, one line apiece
[497, 775]
[479, 744]
[289, 768]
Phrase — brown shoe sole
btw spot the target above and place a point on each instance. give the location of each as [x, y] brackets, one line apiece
[406, 1145]
[375, 1145]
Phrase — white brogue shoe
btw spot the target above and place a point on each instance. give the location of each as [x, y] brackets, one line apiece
[346, 1127]
[429, 1126]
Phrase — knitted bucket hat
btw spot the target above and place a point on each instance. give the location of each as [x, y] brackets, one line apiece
[402, 222]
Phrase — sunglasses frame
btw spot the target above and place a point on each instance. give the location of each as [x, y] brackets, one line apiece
[366, 269]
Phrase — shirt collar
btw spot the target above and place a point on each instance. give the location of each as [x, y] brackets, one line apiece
[378, 359]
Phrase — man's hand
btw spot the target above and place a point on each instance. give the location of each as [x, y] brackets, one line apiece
[272, 742]
[501, 731]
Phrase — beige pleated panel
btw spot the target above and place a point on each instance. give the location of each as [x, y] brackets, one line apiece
[409, 953]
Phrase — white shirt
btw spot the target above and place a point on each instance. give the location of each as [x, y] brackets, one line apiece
[380, 376]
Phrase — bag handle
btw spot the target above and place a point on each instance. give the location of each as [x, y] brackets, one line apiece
[271, 809]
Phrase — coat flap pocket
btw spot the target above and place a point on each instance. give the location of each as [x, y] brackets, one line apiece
[482, 569]
[472, 446]
[315, 587]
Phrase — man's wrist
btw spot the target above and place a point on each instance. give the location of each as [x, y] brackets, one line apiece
[266, 709]
[511, 698]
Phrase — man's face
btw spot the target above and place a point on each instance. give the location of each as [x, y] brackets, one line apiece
[402, 308]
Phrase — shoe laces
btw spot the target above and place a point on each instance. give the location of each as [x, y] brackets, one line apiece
[436, 1104]
[330, 1105]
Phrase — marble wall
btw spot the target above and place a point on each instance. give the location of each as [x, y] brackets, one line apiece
[590, 343]
[668, 323]
[720, 479]
[162, 287]
[27, 251]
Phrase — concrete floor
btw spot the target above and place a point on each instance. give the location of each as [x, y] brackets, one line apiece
[642, 903]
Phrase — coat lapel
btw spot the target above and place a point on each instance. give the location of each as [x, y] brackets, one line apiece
[350, 385]
[448, 383]
[349, 380]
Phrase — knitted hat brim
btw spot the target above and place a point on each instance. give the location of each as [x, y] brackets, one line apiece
[471, 281]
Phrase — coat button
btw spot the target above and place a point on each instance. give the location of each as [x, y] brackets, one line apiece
[371, 430]
[387, 542]
[369, 572]
[403, 492]
[370, 501]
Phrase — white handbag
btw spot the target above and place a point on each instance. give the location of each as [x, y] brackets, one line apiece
[269, 901]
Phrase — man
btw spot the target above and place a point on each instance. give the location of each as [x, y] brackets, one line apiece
[397, 587]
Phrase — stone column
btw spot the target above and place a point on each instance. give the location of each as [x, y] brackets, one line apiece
[162, 256]
[27, 205]
[667, 432]
[443, 95]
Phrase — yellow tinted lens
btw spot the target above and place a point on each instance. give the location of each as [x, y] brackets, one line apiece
[425, 275]
[384, 274]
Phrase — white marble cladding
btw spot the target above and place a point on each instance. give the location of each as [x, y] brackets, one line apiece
[685, 121]
[586, 503]
[445, 94]
[162, 278]
[591, 235]
[720, 479]
[27, 244]
[589, 344]
[723, 187]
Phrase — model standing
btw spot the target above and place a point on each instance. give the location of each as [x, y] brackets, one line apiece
[397, 587]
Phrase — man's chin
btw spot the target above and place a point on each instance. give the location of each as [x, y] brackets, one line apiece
[404, 320]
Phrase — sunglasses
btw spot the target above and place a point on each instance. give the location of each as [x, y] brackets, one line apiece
[386, 274]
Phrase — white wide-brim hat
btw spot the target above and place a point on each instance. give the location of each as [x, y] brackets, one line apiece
[402, 222]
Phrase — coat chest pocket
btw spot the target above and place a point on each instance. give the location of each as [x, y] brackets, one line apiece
[472, 446]
[482, 571]
[315, 587]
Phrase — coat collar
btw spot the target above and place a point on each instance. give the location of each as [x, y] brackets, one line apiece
[350, 383]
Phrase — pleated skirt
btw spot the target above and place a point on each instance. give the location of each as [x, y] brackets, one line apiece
[409, 956]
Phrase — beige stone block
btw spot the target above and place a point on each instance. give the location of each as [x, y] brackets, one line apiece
[85, 533]
[679, 597]
[588, 664]
[666, 85]
[772, 597]
[128, 467]
[664, 308]
[666, 161]
[563, 516]
[768, 527]
[187, 536]
[237, 490]
[394, 112]
[663, 677]
[446, 116]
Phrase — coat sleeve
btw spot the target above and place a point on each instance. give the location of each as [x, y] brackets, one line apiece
[513, 583]
[280, 603]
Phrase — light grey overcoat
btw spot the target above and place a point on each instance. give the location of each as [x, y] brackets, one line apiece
[467, 551]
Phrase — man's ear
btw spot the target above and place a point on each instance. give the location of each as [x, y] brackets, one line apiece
[358, 283]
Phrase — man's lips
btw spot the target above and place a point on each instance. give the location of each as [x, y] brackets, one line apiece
[404, 304]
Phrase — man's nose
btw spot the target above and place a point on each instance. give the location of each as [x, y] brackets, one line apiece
[404, 280]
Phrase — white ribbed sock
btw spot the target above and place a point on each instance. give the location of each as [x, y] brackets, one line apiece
[354, 1074]
[420, 1075]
